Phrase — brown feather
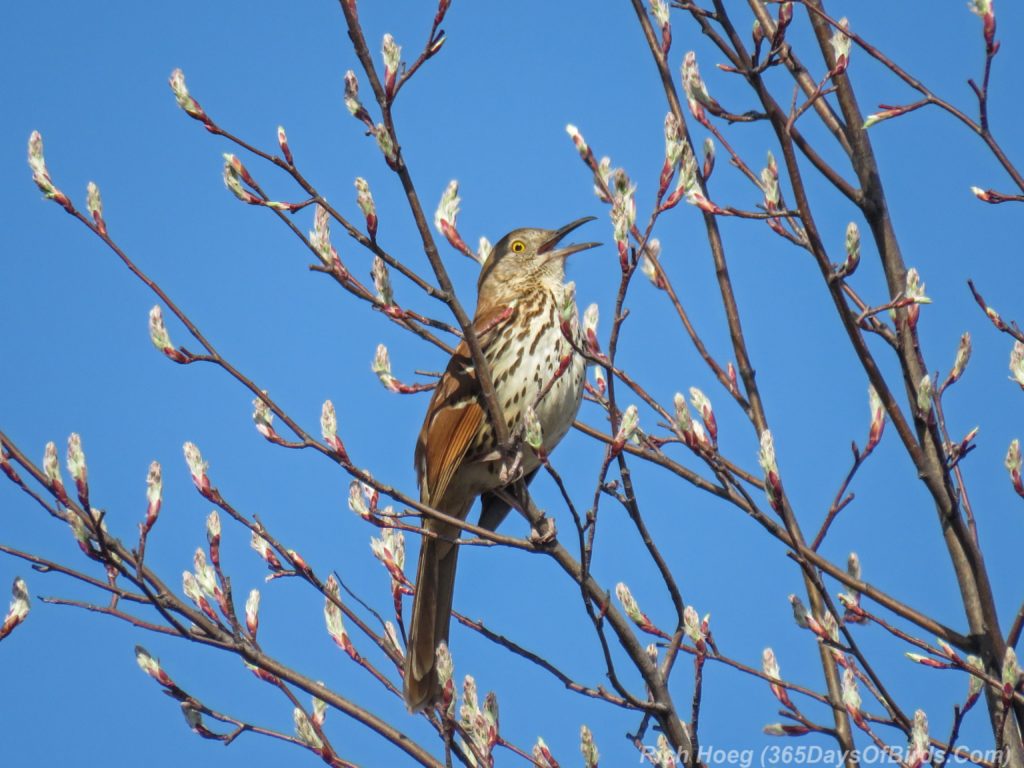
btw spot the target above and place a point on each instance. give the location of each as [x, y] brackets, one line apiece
[453, 421]
[454, 413]
[520, 293]
[452, 434]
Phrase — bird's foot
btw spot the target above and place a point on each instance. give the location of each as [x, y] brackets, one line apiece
[511, 469]
[544, 532]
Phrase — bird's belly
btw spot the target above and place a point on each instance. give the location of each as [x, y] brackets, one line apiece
[538, 365]
[557, 410]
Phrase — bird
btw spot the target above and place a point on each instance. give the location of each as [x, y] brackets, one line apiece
[518, 321]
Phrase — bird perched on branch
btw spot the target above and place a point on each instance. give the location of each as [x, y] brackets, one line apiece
[518, 321]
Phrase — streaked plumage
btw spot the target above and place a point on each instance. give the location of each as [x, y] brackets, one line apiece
[517, 320]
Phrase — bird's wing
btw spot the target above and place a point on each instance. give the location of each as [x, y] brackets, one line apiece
[455, 413]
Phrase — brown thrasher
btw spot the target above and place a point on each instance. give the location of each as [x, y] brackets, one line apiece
[520, 295]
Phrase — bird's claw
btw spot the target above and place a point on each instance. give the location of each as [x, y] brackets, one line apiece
[544, 532]
[512, 471]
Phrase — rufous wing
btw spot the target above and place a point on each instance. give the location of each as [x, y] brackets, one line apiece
[452, 423]
[455, 413]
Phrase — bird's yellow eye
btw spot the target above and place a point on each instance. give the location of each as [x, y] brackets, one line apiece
[518, 246]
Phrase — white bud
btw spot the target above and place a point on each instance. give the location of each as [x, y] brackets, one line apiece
[448, 208]
[392, 55]
[851, 696]
[320, 236]
[328, 421]
[533, 432]
[158, 331]
[924, 394]
[304, 729]
[588, 748]
[841, 43]
[1017, 363]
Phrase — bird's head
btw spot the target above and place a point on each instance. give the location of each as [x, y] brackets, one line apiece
[526, 257]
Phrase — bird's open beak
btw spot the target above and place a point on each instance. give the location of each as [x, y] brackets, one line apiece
[550, 246]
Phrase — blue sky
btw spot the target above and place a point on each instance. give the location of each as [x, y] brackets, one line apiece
[489, 111]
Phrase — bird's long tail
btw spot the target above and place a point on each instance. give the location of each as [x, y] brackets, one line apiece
[431, 614]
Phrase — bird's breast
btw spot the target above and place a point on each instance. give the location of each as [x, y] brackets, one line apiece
[526, 363]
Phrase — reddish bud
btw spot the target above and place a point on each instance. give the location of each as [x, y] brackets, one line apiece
[18, 609]
[252, 612]
[282, 142]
